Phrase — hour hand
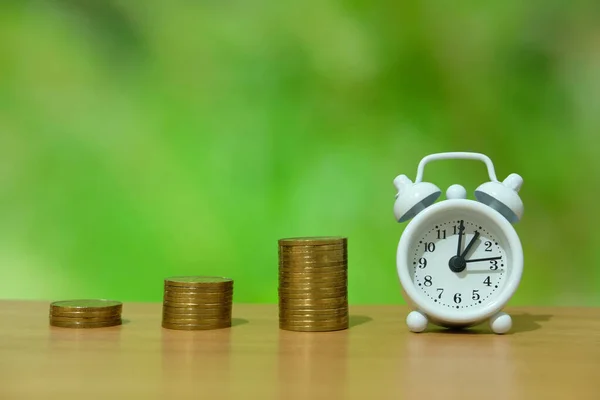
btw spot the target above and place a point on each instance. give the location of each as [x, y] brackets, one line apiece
[471, 243]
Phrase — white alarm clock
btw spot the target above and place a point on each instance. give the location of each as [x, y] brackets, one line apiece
[459, 261]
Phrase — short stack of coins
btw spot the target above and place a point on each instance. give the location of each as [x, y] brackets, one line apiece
[313, 284]
[85, 313]
[197, 302]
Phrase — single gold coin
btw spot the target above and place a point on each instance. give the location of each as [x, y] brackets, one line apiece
[195, 321]
[341, 284]
[85, 314]
[188, 304]
[333, 292]
[313, 328]
[314, 320]
[194, 317]
[85, 305]
[314, 310]
[295, 304]
[197, 299]
[200, 289]
[62, 324]
[302, 286]
[194, 327]
[312, 241]
[294, 265]
[310, 266]
[314, 255]
[194, 281]
[333, 286]
[201, 299]
[190, 292]
[287, 307]
[84, 319]
[227, 293]
[318, 312]
[197, 310]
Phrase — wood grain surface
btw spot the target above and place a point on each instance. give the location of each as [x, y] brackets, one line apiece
[552, 353]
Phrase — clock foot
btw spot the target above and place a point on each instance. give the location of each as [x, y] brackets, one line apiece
[501, 323]
[416, 321]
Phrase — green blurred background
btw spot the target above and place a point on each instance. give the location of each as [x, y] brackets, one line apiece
[142, 139]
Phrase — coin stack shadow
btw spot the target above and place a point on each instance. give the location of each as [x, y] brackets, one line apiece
[313, 284]
[85, 313]
[197, 303]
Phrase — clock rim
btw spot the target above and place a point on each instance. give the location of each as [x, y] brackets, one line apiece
[450, 316]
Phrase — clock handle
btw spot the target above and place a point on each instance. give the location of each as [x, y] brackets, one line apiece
[457, 156]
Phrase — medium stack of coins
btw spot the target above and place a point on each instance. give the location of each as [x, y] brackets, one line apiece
[197, 302]
[313, 284]
[85, 313]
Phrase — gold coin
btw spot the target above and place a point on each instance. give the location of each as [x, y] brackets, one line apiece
[175, 293]
[196, 301]
[315, 312]
[294, 265]
[313, 284]
[313, 327]
[200, 289]
[312, 273]
[313, 304]
[195, 321]
[325, 323]
[84, 319]
[308, 278]
[200, 298]
[312, 240]
[62, 324]
[195, 281]
[313, 250]
[312, 259]
[292, 292]
[311, 319]
[311, 278]
[194, 317]
[85, 314]
[319, 284]
[336, 286]
[198, 309]
[194, 327]
[337, 255]
[197, 293]
[188, 304]
[85, 305]
[198, 312]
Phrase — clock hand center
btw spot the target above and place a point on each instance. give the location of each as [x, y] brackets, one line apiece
[457, 264]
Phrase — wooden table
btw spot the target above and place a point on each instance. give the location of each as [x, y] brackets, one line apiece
[552, 353]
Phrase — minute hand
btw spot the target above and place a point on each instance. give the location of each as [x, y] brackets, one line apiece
[483, 259]
[471, 243]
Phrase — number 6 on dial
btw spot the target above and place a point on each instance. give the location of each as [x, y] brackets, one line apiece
[459, 261]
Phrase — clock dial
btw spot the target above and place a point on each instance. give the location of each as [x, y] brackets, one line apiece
[458, 263]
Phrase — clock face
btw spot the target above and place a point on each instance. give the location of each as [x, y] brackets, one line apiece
[459, 262]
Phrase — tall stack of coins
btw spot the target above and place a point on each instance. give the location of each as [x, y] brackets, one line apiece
[313, 284]
[197, 302]
[88, 313]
